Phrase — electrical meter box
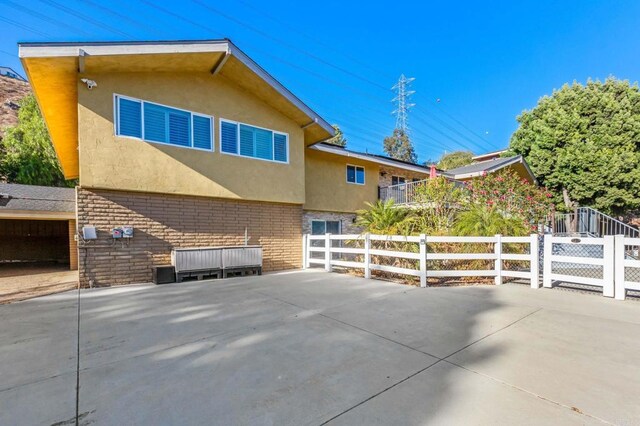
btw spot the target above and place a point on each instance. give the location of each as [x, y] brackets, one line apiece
[127, 231]
[116, 233]
[89, 233]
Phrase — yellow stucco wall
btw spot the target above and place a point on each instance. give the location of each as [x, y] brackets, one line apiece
[326, 183]
[111, 162]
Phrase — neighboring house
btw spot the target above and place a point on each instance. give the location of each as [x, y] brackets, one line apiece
[516, 163]
[11, 93]
[8, 72]
[37, 224]
[488, 156]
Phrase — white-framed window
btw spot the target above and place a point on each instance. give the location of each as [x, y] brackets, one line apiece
[253, 142]
[355, 174]
[397, 180]
[153, 122]
[321, 227]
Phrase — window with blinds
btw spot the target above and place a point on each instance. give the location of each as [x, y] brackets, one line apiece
[162, 124]
[253, 142]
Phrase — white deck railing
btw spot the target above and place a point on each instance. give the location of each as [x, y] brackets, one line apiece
[364, 253]
[402, 193]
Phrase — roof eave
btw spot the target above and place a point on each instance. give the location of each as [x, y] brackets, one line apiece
[374, 159]
[74, 49]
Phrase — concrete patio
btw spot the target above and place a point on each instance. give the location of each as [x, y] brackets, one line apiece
[308, 347]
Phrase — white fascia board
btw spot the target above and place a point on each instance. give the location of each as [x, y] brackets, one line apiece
[489, 154]
[53, 50]
[349, 154]
[253, 66]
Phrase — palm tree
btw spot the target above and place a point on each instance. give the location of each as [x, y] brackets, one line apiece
[487, 221]
[383, 218]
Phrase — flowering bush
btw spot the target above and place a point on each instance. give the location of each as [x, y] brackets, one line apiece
[440, 201]
[511, 195]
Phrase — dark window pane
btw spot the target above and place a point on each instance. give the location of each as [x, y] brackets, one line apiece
[318, 227]
[351, 174]
[333, 227]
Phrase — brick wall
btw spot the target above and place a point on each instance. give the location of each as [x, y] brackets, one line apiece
[162, 222]
[73, 246]
[347, 225]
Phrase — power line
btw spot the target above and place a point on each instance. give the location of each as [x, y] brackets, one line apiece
[274, 57]
[266, 53]
[9, 53]
[43, 17]
[401, 111]
[86, 18]
[315, 40]
[452, 129]
[286, 44]
[194, 23]
[275, 19]
[319, 76]
[24, 27]
[462, 124]
[122, 16]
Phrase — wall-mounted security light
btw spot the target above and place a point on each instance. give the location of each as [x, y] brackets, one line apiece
[90, 83]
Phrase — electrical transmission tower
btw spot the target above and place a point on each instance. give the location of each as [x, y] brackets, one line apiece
[402, 101]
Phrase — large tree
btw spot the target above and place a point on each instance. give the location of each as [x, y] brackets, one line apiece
[399, 146]
[455, 159]
[583, 144]
[26, 152]
[339, 138]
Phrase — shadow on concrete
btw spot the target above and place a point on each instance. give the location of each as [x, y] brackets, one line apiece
[291, 348]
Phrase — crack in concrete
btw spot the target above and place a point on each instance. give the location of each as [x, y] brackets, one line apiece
[456, 365]
[518, 388]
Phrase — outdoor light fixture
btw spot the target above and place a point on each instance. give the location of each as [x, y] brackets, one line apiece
[90, 83]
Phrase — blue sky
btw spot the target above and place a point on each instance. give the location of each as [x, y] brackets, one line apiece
[484, 62]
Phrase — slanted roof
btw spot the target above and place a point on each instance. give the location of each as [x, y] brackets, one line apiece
[36, 202]
[488, 155]
[488, 166]
[13, 73]
[375, 158]
[53, 70]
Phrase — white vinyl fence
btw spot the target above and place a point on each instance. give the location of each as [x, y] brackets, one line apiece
[627, 265]
[587, 261]
[368, 252]
[611, 263]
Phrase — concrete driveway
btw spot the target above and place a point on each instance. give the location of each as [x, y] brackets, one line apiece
[308, 347]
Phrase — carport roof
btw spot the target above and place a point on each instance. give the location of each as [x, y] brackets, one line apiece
[32, 201]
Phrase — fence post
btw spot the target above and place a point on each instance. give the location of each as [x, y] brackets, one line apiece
[305, 263]
[498, 261]
[367, 255]
[608, 254]
[619, 272]
[546, 258]
[534, 263]
[327, 252]
[423, 260]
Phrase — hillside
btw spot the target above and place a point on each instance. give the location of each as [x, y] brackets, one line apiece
[11, 91]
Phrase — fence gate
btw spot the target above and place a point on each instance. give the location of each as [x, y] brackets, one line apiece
[588, 261]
